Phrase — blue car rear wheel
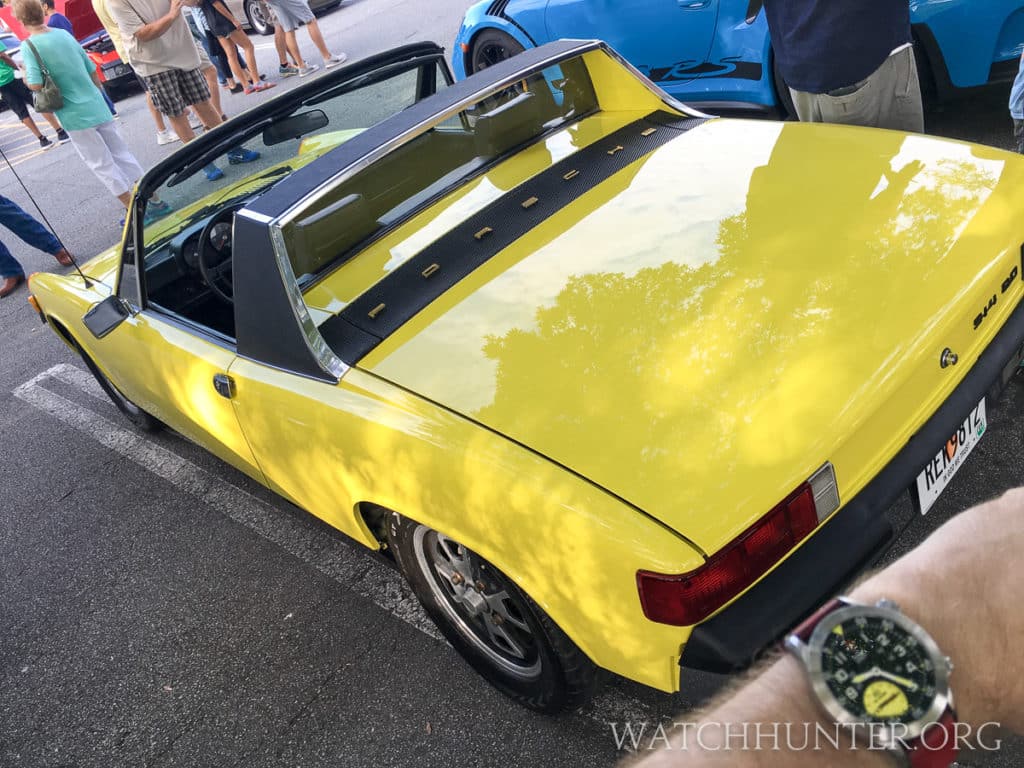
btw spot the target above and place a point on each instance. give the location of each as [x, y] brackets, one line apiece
[491, 47]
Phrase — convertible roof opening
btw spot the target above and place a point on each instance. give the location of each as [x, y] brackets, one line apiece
[441, 157]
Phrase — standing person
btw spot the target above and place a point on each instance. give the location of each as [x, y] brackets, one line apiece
[291, 14]
[18, 98]
[1017, 106]
[847, 61]
[162, 51]
[32, 232]
[56, 20]
[206, 64]
[228, 31]
[163, 135]
[201, 29]
[93, 132]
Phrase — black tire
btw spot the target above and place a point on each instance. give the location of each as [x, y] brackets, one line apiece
[532, 661]
[787, 110]
[259, 16]
[491, 47]
[132, 412]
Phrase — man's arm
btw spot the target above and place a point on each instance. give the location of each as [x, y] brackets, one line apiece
[963, 585]
[132, 26]
[8, 61]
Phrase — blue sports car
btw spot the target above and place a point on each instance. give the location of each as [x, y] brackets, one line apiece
[704, 51]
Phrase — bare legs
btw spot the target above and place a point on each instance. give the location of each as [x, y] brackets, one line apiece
[31, 125]
[285, 49]
[318, 39]
[293, 46]
[239, 38]
[52, 120]
[157, 117]
[210, 73]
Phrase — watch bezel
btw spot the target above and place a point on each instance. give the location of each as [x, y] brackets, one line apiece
[812, 654]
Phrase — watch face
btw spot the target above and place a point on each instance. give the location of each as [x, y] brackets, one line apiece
[872, 664]
[878, 671]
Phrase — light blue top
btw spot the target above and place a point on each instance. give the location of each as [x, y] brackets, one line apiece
[70, 68]
[1017, 94]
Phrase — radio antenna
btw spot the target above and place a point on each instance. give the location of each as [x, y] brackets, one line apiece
[74, 261]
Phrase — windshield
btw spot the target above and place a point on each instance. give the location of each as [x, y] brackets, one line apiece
[443, 156]
[188, 248]
[189, 197]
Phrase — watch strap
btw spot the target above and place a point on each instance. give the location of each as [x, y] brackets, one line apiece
[937, 746]
[806, 627]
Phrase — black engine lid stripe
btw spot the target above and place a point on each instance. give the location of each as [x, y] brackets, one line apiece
[389, 304]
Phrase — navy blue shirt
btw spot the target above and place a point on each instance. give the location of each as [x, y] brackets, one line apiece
[60, 21]
[822, 45]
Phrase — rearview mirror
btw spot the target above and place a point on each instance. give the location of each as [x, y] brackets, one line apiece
[294, 127]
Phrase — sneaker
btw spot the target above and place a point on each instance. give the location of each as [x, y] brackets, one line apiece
[240, 155]
[308, 70]
[335, 59]
[45, 143]
[194, 122]
[213, 172]
[166, 136]
[286, 71]
[249, 90]
[62, 136]
[157, 210]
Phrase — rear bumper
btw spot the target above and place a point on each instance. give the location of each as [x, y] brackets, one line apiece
[855, 536]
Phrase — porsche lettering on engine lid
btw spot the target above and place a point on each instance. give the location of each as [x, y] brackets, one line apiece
[940, 470]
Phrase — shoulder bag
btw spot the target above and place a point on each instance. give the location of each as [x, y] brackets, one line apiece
[48, 98]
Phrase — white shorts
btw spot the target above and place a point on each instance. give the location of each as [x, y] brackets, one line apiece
[106, 154]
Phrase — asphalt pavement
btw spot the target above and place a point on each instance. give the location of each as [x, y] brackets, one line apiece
[157, 608]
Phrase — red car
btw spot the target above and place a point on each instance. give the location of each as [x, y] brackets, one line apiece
[116, 75]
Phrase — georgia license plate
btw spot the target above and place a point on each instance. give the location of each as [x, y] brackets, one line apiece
[940, 470]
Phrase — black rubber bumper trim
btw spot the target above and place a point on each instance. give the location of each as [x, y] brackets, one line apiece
[852, 539]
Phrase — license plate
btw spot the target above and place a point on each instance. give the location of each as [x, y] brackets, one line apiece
[940, 470]
[115, 71]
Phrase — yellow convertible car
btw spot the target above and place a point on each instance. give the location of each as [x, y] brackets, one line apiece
[618, 386]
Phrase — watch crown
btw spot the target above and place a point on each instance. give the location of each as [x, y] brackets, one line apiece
[887, 603]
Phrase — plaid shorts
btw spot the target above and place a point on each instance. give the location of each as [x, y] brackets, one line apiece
[176, 89]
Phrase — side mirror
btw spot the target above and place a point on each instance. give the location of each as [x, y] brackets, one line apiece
[105, 316]
[294, 126]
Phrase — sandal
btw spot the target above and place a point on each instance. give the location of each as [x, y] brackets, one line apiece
[264, 86]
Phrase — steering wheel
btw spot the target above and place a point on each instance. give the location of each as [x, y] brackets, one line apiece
[215, 254]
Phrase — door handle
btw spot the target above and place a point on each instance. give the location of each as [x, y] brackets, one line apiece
[224, 385]
[693, 5]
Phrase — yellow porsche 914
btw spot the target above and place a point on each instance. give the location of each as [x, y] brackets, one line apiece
[619, 386]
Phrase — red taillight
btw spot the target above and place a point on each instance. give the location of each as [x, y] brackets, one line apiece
[688, 598]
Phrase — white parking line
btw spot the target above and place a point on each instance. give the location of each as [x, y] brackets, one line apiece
[363, 575]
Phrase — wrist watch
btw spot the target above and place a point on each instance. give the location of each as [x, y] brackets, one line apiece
[880, 674]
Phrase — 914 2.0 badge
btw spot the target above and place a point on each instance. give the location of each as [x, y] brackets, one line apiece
[937, 473]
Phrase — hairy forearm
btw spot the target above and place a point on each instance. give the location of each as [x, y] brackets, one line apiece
[156, 28]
